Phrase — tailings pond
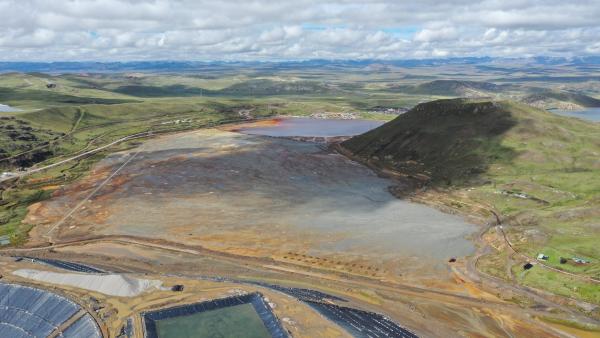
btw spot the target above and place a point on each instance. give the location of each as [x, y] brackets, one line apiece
[261, 196]
[309, 127]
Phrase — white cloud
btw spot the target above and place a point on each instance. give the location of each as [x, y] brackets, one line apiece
[440, 53]
[266, 30]
[437, 34]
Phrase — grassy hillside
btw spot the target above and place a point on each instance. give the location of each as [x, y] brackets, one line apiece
[10, 96]
[556, 99]
[271, 87]
[540, 172]
[453, 88]
[447, 140]
[255, 87]
[164, 91]
[543, 98]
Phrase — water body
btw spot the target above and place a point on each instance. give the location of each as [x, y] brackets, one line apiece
[309, 127]
[7, 109]
[590, 114]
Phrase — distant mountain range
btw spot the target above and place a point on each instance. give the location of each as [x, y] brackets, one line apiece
[179, 66]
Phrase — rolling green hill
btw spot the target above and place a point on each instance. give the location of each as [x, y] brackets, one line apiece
[156, 91]
[446, 140]
[272, 87]
[543, 98]
[560, 99]
[539, 172]
[10, 95]
[455, 88]
[255, 87]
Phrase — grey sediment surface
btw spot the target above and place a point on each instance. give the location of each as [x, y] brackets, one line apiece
[247, 191]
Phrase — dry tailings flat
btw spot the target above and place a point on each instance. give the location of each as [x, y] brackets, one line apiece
[254, 195]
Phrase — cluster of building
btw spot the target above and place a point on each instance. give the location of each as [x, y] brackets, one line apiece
[334, 115]
[578, 260]
[389, 110]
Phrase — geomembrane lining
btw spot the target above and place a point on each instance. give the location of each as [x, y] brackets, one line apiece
[361, 323]
[357, 322]
[300, 293]
[83, 327]
[269, 320]
[66, 265]
[32, 312]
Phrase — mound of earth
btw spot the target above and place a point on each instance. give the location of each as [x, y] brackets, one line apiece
[450, 141]
[110, 284]
[444, 140]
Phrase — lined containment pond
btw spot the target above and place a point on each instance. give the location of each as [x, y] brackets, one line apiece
[245, 316]
[233, 321]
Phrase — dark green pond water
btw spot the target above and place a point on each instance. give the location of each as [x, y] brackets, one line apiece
[234, 321]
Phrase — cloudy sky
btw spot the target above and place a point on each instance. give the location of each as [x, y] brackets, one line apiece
[44, 30]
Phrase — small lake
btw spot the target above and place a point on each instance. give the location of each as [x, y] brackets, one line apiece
[590, 114]
[309, 127]
[7, 109]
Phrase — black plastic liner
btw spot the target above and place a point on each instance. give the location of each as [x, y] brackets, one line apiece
[301, 294]
[66, 265]
[361, 323]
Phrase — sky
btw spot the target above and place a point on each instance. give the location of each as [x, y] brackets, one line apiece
[126, 30]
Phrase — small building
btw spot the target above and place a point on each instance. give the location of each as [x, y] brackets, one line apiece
[542, 257]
